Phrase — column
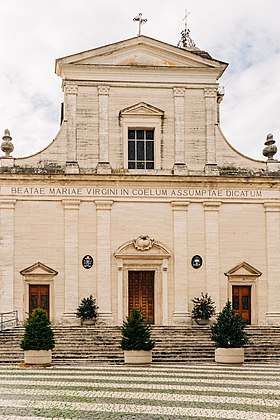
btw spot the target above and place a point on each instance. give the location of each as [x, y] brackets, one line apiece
[179, 130]
[71, 92]
[7, 225]
[272, 213]
[103, 111]
[71, 260]
[120, 292]
[181, 314]
[210, 123]
[103, 240]
[212, 250]
[165, 320]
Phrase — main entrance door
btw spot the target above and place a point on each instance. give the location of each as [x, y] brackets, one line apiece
[141, 293]
[39, 297]
[241, 301]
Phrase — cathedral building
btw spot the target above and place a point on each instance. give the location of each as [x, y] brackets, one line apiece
[140, 200]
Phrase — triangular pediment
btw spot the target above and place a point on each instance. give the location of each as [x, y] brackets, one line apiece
[142, 108]
[141, 51]
[244, 269]
[38, 269]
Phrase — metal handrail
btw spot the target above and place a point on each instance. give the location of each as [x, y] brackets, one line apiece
[8, 320]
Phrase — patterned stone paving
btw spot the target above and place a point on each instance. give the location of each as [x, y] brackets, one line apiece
[157, 392]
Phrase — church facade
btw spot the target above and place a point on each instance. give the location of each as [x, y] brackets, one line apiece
[140, 200]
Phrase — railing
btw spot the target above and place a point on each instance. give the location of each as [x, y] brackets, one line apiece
[8, 320]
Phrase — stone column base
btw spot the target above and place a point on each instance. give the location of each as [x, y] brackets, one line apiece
[273, 318]
[103, 168]
[180, 169]
[72, 168]
[211, 169]
[181, 318]
[105, 318]
[71, 319]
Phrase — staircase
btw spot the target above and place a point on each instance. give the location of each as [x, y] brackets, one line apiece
[100, 344]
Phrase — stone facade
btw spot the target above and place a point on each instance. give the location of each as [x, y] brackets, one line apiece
[189, 193]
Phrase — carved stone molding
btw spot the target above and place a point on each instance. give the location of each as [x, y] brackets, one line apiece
[212, 205]
[103, 90]
[178, 91]
[143, 243]
[210, 93]
[71, 90]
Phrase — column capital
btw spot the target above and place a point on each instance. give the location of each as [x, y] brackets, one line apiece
[71, 204]
[103, 204]
[7, 204]
[180, 205]
[178, 91]
[210, 93]
[272, 206]
[103, 90]
[212, 205]
[71, 89]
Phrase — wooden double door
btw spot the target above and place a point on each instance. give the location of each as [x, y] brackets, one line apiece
[39, 297]
[141, 293]
[241, 301]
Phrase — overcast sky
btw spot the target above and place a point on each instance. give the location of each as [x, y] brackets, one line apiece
[244, 33]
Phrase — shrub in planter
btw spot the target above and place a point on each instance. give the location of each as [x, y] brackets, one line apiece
[38, 339]
[136, 339]
[203, 309]
[229, 336]
[87, 309]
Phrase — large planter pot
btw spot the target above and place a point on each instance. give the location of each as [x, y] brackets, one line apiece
[88, 322]
[202, 321]
[37, 357]
[229, 356]
[138, 357]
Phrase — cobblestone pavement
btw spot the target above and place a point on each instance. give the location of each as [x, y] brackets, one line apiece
[156, 392]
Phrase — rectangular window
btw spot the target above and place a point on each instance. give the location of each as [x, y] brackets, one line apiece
[141, 149]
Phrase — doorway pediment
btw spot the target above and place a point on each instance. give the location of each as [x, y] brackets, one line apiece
[243, 269]
[38, 269]
[143, 245]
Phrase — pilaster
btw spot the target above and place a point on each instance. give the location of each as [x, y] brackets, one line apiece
[181, 313]
[210, 96]
[212, 250]
[103, 110]
[71, 93]
[7, 226]
[179, 131]
[272, 213]
[71, 260]
[103, 240]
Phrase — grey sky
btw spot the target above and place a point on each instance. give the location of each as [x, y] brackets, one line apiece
[33, 33]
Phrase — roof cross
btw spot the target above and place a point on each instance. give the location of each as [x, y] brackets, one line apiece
[141, 22]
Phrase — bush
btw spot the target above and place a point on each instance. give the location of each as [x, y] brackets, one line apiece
[38, 333]
[229, 332]
[87, 309]
[136, 333]
[203, 307]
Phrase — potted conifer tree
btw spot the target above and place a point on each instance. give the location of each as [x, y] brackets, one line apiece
[229, 336]
[87, 311]
[38, 339]
[203, 309]
[136, 339]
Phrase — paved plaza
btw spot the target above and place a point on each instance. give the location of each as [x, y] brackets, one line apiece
[158, 392]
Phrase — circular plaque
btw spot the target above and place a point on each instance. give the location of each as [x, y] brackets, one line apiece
[196, 261]
[87, 261]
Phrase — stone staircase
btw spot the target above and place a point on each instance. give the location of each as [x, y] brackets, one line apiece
[100, 344]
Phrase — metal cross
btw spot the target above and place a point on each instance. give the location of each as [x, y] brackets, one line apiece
[141, 22]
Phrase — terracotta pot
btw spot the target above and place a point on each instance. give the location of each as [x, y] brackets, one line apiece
[138, 357]
[37, 357]
[229, 356]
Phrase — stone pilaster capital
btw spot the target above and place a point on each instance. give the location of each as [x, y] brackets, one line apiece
[71, 89]
[178, 91]
[8, 204]
[103, 90]
[180, 205]
[212, 205]
[103, 204]
[210, 93]
[272, 206]
[71, 204]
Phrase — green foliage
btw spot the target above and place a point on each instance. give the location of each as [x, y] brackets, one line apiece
[38, 333]
[87, 308]
[229, 330]
[203, 307]
[136, 333]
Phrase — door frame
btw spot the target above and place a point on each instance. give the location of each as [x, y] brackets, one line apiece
[249, 301]
[243, 281]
